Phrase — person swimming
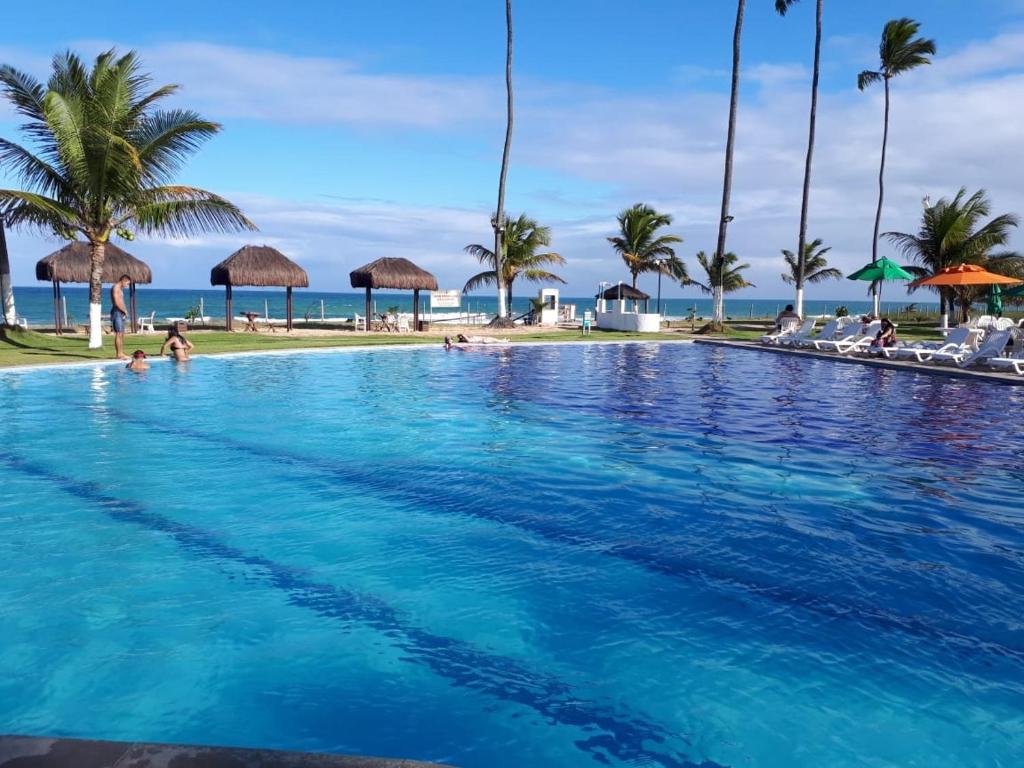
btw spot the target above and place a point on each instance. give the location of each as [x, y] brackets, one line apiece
[463, 339]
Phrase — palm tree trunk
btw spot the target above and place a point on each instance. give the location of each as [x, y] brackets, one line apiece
[499, 218]
[99, 252]
[802, 243]
[881, 192]
[730, 144]
[6, 286]
[508, 297]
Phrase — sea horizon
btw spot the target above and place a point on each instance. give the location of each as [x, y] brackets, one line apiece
[35, 303]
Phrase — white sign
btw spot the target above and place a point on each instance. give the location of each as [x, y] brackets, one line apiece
[445, 299]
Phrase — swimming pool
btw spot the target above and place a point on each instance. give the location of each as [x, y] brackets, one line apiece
[643, 555]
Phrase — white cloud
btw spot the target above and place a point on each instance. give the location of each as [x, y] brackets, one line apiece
[954, 124]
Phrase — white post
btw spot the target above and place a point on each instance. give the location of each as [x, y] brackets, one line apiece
[266, 311]
[322, 316]
[64, 308]
[95, 327]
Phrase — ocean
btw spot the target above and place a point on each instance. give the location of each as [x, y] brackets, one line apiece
[35, 303]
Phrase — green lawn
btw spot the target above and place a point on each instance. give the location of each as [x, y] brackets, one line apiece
[31, 348]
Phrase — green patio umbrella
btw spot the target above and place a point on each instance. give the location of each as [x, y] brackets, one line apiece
[1015, 293]
[995, 301]
[880, 271]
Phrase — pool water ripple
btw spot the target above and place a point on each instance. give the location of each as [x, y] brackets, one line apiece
[629, 555]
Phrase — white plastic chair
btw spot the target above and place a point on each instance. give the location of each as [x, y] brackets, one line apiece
[993, 346]
[825, 334]
[800, 334]
[403, 324]
[852, 342]
[359, 321]
[786, 328]
[958, 340]
[148, 324]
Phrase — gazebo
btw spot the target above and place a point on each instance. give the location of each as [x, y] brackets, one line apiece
[258, 266]
[628, 292]
[398, 274]
[71, 264]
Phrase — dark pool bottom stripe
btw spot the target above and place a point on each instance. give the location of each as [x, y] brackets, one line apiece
[615, 735]
[450, 498]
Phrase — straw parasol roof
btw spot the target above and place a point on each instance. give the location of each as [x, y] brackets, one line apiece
[259, 265]
[400, 274]
[71, 265]
[628, 292]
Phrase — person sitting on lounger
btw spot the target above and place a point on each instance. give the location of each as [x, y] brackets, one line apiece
[138, 361]
[886, 337]
[463, 339]
[784, 315]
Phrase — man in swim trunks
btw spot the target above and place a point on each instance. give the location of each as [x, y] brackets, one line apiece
[118, 314]
[178, 344]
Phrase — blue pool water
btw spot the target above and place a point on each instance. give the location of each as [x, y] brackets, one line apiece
[622, 555]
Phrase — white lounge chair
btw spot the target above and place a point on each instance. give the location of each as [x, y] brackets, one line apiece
[800, 334]
[854, 341]
[827, 333]
[786, 328]
[1003, 324]
[991, 348]
[958, 340]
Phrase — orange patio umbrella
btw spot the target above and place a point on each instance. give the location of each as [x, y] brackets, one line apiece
[965, 274]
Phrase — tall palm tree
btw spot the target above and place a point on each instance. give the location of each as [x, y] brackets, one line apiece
[812, 268]
[102, 159]
[499, 221]
[718, 317]
[900, 51]
[724, 276]
[782, 6]
[642, 248]
[10, 315]
[524, 237]
[952, 233]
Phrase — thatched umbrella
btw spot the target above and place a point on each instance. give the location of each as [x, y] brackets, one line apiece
[628, 292]
[72, 264]
[258, 266]
[398, 274]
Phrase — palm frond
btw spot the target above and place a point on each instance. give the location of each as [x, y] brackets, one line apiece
[480, 280]
[185, 211]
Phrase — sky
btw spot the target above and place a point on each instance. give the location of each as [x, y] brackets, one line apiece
[356, 130]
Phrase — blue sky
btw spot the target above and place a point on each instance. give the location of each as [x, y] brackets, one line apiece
[354, 130]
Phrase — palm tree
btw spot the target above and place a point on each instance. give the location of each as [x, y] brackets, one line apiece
[642, 248]
[952, 233]
[104, 159]
[900, 51]
[724, 276]
[782, 6]
[523, 238]
[499, 221]
[730, 145]
[10, 315]
[812, 268]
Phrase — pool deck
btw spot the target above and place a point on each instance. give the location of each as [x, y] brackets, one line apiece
[30, 752]
[949, 371]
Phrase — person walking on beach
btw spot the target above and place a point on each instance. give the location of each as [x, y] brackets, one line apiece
[118, 314]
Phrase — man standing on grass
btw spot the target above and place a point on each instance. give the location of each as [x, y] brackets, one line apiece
[118, 314]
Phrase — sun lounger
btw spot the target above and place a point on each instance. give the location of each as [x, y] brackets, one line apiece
[854, 341]
[801, 333]
[991, 348]
[958, 340]
[788, 327]
[1014, 362]
[828, 333]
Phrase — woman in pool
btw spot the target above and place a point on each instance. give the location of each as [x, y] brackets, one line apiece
[178, 344]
